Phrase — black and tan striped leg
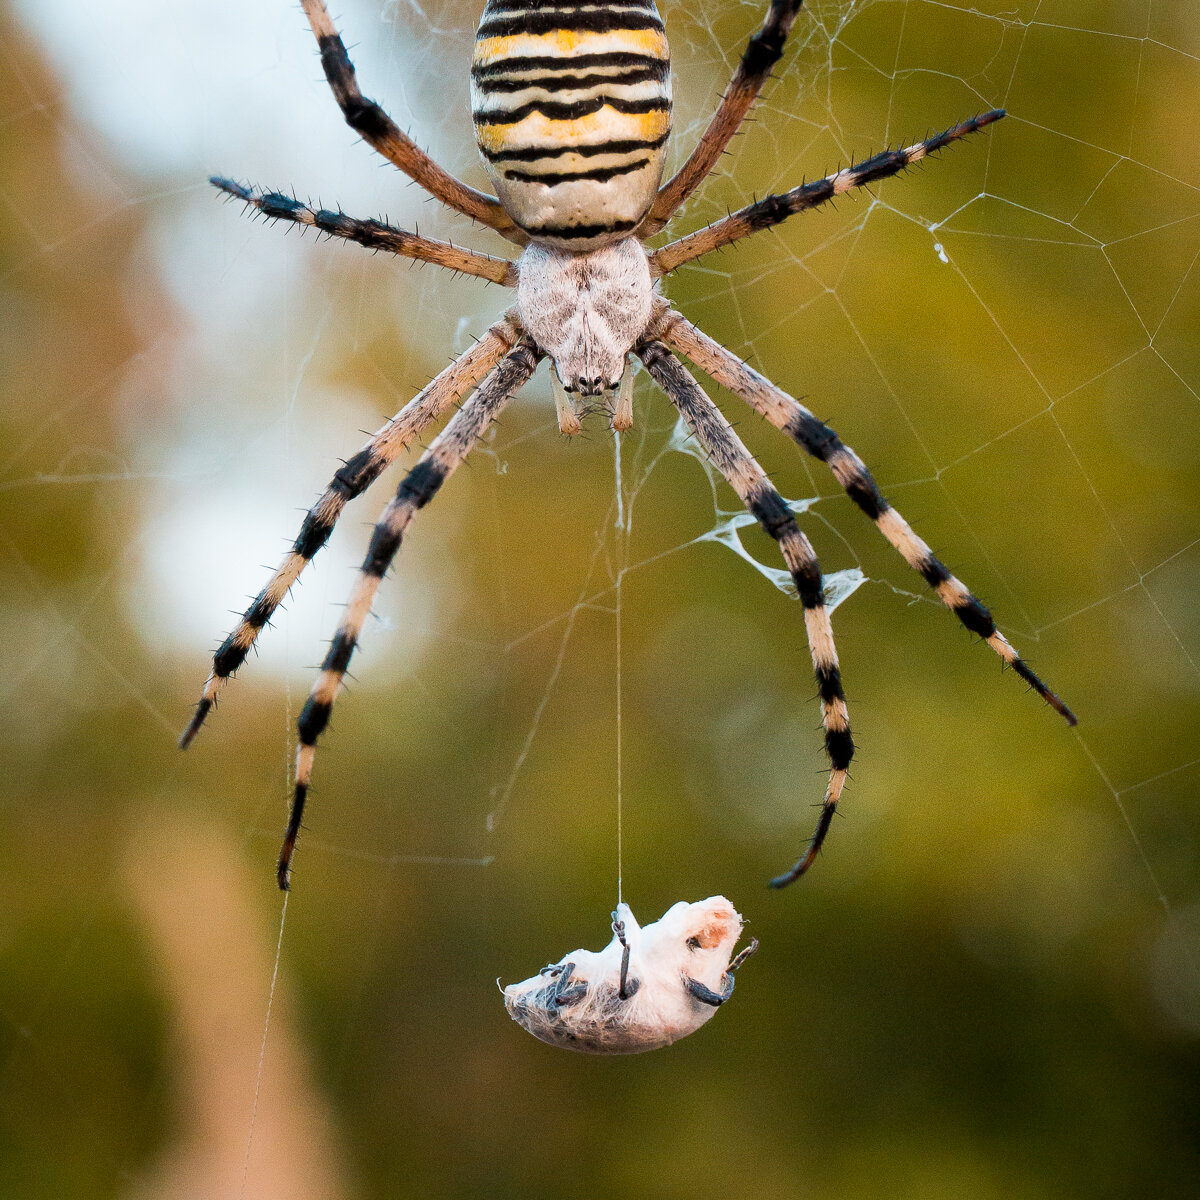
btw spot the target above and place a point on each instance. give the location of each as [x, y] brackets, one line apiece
[354, 477]
[366, 118]
[763, 51]
[790, 416]
[730, 456]
[417, 488]
[771, 210]
[375, 235]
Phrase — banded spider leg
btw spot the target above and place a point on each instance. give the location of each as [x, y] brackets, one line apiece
[789, 415]
[366, 118]
[351, 480]
[762, 52]
[416, 489]
[729, 455]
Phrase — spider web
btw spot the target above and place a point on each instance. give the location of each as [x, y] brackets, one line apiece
[1007, 338]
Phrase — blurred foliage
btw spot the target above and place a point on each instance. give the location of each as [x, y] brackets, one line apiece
[990, 986]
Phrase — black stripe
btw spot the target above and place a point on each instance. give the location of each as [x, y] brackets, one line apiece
[886, 162]
[810, 585]
[232, 187]
[339, 223]
[554, 111]
[567, 83]
[228, 657]
[533, 153]
[276, 204]
[357, 473]
[772, 511]
[975, 617]
[774, 515]
[599, 174]
[351, 479]
[259, 613]
[370, 233]
[582, 22]
[573, 62]
[421, 483]
[362, 115]
[498, 6]
[313, 719]
[864, 492]
[765, 48]
[314, 533]
[840, 745]
[821, 442]
[933, 572]
[380, 551]
[772, 210]
[341, 650]
[579, 232]
[829, 683]
[815, 436]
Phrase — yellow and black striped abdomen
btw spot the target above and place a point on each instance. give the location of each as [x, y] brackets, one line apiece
[571, 101]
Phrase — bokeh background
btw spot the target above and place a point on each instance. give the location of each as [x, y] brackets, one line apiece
[991, 984]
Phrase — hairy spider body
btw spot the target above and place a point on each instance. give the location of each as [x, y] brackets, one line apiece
[572, 112]
[586, 310]
[571, 104]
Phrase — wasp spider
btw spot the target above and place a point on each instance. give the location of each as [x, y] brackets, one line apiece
[571, 102]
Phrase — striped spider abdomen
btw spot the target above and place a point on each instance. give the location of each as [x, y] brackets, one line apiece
[572, 111]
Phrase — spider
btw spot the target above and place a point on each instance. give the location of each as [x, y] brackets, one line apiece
[571, 103]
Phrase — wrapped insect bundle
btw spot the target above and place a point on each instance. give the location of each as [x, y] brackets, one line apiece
[647, 988]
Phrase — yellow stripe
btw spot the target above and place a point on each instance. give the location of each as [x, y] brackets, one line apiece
[604, 125]
[566, 42]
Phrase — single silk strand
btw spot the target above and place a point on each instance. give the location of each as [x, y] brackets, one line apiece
[621, 556]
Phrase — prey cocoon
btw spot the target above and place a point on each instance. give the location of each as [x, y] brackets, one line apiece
[647, 988]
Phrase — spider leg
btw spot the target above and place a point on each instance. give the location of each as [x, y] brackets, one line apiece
[375, 235]
[376, 127]
[762, 52]
[416, 489]
[351, 480]
[790, 416]
[771, 210]
[728, 454]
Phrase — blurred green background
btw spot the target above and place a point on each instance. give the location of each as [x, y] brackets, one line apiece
[990, 985]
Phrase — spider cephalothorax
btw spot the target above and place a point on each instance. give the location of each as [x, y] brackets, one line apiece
[586, 310]
[572, 109]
